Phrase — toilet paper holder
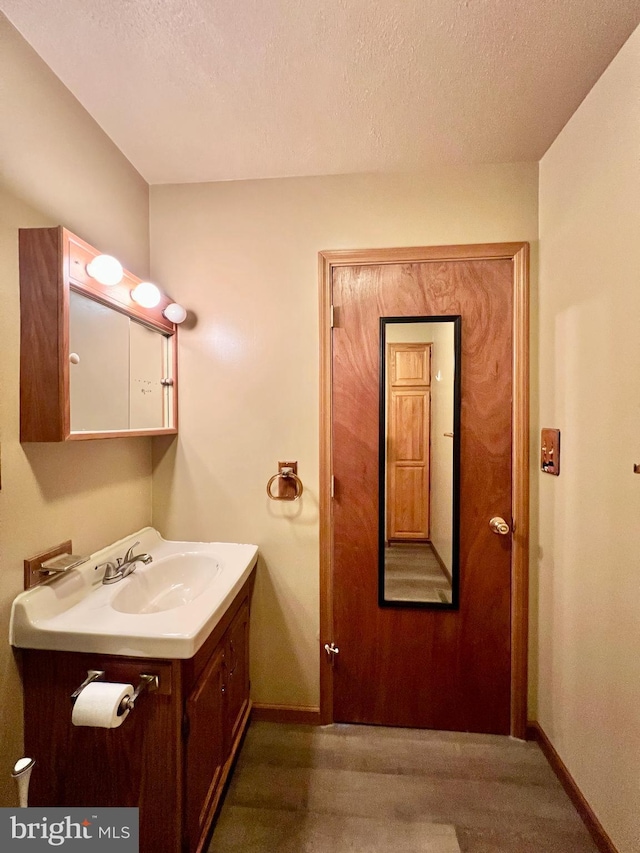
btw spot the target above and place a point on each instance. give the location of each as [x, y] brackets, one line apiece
[147, 682]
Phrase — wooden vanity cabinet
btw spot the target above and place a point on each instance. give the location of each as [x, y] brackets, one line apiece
[205, 744]
[172, 755]
[237, 686]
[218, 702]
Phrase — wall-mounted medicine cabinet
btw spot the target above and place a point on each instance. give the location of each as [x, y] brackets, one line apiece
[93, 363]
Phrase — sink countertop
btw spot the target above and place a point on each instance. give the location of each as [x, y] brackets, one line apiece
[75, 612]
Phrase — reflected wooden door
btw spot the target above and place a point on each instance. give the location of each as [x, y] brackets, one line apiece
[408, 403]
[406, 666]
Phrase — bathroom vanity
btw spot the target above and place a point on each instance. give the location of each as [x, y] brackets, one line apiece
[174, 751]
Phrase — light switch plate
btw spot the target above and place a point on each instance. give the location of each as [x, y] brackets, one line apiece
[550, 451]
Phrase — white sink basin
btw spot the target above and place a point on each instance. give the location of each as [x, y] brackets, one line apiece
[165, 609]
[171, 582]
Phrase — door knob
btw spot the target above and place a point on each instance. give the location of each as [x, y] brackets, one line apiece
[499, 525]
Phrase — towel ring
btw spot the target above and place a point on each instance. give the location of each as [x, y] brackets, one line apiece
[286, 474]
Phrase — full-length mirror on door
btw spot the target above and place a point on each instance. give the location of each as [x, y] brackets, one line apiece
[419, 461]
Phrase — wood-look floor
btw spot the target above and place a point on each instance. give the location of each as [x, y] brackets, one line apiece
[412, 573]
[368, 789]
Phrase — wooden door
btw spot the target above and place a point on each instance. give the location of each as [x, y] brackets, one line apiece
[406, 666]
[408, 405]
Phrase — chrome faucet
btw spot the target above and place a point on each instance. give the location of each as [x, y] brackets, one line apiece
[123, 566]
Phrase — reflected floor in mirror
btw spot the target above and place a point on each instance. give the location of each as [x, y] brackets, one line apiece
[370, 789]
[414, 573]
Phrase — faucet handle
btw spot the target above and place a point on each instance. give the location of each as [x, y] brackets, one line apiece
[129, 555]
[110, 568]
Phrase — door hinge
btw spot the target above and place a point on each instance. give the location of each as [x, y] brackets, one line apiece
[333, 486]
[332, 317]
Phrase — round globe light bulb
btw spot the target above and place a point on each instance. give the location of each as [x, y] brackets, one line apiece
[146, 294]
[106, 269]
[176, 313]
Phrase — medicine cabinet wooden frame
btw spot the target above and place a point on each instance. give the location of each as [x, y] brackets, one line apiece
[53, 262]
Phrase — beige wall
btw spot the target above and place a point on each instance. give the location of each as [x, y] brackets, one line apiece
[58, 168]
[55, 157]
[589, 630]
[443, 364]
[243, 256]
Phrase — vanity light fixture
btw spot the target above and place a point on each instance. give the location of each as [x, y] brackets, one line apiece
[176, 313]
[106, 269]
[146, 294]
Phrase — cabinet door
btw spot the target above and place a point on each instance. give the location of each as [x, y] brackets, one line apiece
[99, 375]
[205, 749]
[237, 662]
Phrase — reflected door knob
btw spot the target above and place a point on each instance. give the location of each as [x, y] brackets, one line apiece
[499, 525]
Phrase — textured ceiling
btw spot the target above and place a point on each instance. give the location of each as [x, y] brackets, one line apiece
[205, 90]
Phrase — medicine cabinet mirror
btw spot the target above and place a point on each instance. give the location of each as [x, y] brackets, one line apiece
[419, 462]
[93, 363]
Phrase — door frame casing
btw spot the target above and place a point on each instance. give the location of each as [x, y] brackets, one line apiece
[518, 253]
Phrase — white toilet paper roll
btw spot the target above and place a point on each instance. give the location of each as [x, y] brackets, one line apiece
[98, 703]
